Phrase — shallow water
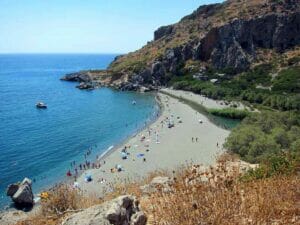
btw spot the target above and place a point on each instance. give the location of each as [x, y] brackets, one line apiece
[41, 144]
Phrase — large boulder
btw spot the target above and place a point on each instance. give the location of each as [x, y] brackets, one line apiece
[21, 194]
[123, 210]
[92, 216]
[138, 218]
[12, 189]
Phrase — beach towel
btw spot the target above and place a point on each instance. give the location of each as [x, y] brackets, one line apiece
[140, 155]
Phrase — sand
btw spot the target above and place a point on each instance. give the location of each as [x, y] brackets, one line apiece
[168, 148]
[200, 99]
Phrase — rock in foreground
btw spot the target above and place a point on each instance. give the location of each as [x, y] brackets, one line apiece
[123, 210]
[21, 194]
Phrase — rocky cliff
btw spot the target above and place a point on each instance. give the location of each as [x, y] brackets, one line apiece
[219, 36]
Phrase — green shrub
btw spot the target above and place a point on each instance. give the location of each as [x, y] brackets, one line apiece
[275, 165]
[287, 81]
[263, 134]
[230, 113]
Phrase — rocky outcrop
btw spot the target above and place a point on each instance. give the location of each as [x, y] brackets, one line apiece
[206, 10]
[234, 45]
[221, 43]
[123, 210]
[87, 85]
[86, 81]
[21, 194]
[158, 184]
[163, 31]
[77, 77]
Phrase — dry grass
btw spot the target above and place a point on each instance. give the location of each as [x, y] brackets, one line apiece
[63, 201]
[225, 200]
[198, 196]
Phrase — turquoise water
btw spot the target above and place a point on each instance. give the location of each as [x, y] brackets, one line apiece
[41, 144]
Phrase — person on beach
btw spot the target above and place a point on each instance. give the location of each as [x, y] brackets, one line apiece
[192, 139]
[69, 174]
[196, 139]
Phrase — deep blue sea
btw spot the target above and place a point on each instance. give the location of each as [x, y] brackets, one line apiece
[41, 144]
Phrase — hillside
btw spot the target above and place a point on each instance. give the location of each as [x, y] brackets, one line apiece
[222, 35]
[220, 39]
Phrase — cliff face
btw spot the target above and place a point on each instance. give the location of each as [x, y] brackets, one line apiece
[219, 36]
[234, 45]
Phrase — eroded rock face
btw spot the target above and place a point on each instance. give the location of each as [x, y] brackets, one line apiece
[123, 210]
[234, 45]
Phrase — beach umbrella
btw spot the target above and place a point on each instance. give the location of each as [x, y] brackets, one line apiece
[88, 178]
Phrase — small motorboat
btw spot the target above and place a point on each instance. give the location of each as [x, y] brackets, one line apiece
[133, 102]
[41, 105]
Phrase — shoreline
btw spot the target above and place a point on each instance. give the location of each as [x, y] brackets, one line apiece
[69, 180]
[106, 153]
[115, 149]
[197, 102]
[156, 150]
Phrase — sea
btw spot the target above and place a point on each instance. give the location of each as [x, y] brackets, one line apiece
[42, 144]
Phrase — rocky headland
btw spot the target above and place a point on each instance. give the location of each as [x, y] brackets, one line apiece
[228, 36]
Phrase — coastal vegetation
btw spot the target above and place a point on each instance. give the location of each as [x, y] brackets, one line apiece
[262, 135]
[231, 113]
[255, 86]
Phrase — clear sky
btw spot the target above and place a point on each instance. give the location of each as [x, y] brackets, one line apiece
[86, 26]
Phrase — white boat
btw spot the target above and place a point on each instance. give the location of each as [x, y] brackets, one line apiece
[133, 102]
[41, 105]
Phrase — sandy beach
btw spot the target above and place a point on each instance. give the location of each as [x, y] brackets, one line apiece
[202, 100]
[192, 139]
